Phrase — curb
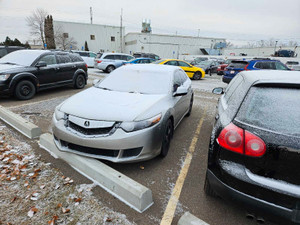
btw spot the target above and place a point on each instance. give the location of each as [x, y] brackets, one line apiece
[189, 219]
[26, 128]
[125, 189]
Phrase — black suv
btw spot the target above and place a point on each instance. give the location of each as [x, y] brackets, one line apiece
[24, 72]
[254, 152]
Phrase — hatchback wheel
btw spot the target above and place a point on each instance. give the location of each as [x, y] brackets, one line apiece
[109, 69]
[167, 137]
[197, 76]
[79, 82]
[25, 90]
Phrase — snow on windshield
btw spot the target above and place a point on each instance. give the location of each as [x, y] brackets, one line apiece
[145, 82]
[21, 57]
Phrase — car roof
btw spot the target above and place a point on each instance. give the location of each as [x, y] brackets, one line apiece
[142, 58]
[114, 53]
[165, 69]
[271, 76]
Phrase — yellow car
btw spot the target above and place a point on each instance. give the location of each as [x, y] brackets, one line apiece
[193, 72]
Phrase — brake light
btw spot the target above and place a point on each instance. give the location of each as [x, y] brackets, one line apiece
[245, 68]
[98, 61]
[241, 141]
[86, 65]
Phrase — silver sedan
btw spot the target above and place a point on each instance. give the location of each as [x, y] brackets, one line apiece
[129, 116]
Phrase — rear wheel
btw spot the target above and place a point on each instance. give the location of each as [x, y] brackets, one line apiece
[197, 76]
[79, 82]
[109, 69]
[167, 137]
[25, 90]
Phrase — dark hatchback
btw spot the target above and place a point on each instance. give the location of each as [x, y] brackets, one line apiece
[254, 152]
[25, 72]
[237, 66]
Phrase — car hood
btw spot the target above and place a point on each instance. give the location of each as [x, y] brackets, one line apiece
[98, 104]
[7, 68]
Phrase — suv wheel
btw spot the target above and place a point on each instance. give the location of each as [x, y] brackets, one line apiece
[79, 82]
[109, 69]
[25, 90]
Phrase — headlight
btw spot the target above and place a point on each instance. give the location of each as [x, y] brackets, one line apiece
[59, 115]
[4, 77]
[139, 125]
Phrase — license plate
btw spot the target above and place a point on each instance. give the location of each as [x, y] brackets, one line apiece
[232, 72]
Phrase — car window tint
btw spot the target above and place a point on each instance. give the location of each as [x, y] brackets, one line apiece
[93, 55]
[120, 57]
[63, 58]
[49, 59]
[129, 57]
[263, 108]
[280, 66]
[109, 57]
[84, 54]
[238, 64]
[236, 81]
[180, 63]
[172, 63]
[75, 58]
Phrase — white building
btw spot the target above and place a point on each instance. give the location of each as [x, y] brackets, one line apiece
[101, 38]
[170, 46]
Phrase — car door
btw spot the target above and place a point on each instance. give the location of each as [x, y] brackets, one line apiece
[66, 68]
[187, 68]
[47, 75]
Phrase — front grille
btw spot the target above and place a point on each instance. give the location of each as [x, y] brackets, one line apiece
[89, 131]
[89, 150]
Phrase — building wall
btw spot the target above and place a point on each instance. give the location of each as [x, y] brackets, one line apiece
[82, 32]
[167, 46]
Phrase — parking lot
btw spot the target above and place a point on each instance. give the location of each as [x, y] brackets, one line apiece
[162, 176]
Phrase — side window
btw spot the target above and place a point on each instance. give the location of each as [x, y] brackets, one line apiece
[180, 63]
[258, 65]
[183, 76]
[109, 57]
[49, 59]
[84, 54]
[280, 66]
[124, 57]
[138, 61]
[129, 57]
[63, 59]
[93, 55]
[232, 87]
[171, 63]
[118, 57]
[177, 81]
[76, 58]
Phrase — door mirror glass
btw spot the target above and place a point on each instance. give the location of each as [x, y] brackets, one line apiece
[218, 91]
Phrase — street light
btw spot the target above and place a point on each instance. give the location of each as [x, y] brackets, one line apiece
[275, 47]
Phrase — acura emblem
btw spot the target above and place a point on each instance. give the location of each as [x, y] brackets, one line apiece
[87, 123]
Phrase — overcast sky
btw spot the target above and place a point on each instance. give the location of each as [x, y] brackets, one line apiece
[236, 20]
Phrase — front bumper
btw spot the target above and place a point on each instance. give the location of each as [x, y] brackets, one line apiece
[253, 204]
[4, 89]
[115, 147]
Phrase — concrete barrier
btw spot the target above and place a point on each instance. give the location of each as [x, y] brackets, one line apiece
[125, 189]
[189, 219]
[28, 129]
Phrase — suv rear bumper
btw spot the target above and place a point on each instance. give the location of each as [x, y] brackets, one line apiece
[226, 79]
[253, 204]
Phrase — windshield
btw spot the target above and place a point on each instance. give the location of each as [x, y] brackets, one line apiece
[135, 81]
[275, 109]
[21, 57]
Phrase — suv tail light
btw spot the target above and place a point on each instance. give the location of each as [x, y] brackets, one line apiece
[241, 141]
[86, 65]
[98, 61]
[245, 68]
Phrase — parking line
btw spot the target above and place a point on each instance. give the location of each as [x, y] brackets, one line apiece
[172, 204]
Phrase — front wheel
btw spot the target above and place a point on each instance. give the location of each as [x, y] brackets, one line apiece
[167, 137]
[197, 76]
[79, 82]
[25, 90]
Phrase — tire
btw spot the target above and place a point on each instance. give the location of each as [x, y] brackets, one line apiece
[110, 68]
[167, 137]
[207, 188]
[79, 82]
[210, 73]
[25, 90]
[197, 76]
[191, 107]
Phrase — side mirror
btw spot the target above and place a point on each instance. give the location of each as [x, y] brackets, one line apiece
[96, 81]
[180, 91]
[41, 64]
[218, 91]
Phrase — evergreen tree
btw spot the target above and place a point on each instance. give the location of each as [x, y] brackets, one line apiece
[86, 48]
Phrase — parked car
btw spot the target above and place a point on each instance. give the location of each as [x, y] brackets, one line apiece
[4, 50]
[293, 65]
[237, 66]
[129, 116]
[221, 68]
[253, 156]
[146, 55]
[87, 56]
[25, 72]
[199, 60]
[193, 72]
[140, 61]
[108, 62]
[209, 66]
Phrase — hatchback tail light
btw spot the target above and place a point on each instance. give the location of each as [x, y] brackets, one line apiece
[86, 65]
[241, 141]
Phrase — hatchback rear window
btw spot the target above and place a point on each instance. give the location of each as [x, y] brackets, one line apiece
[272, 108]
[238, 64]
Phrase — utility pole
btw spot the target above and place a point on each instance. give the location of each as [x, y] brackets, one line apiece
[121, 29]
[91, 14]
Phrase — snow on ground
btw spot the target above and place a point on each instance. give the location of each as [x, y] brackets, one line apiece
[31, 192]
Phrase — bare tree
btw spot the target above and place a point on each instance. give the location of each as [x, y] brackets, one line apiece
[63, 40]
[36, 23]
